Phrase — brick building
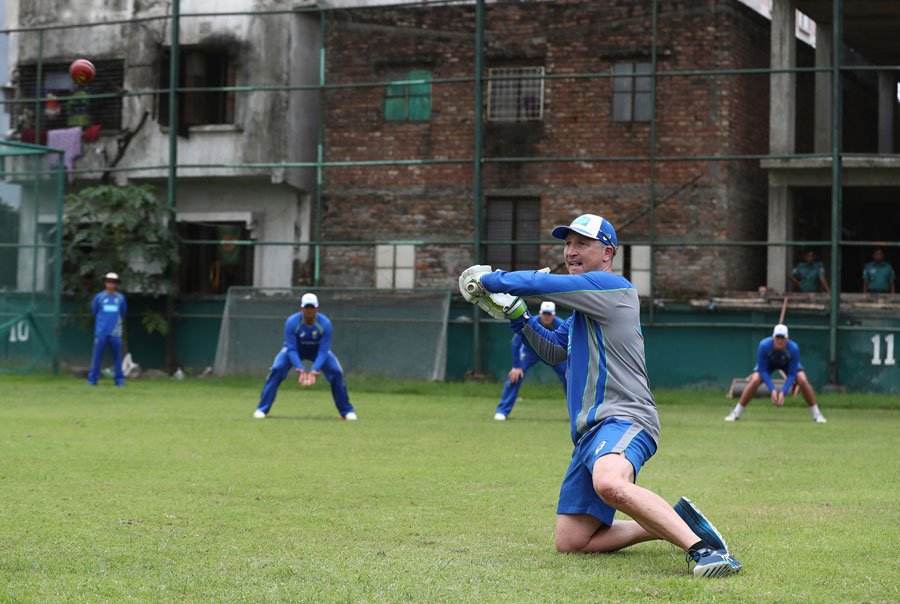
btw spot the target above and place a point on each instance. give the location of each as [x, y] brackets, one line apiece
[526, 116]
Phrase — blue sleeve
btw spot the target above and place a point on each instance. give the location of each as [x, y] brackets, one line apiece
[536, 283]
[517, 351]
[792, 368]
[324, 346]
[290, 341]
[762, 365]
[95, 305]
[123, 307]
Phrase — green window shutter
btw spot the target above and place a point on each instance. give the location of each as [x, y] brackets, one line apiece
[420, 96]
[395, 108]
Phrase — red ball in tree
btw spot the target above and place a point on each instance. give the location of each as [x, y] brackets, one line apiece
[82, 71]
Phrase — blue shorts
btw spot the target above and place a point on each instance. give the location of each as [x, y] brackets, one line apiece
[613, 435]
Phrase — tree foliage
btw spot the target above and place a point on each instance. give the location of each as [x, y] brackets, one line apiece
[125, 230]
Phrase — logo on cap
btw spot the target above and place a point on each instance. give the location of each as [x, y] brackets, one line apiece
[583, 220]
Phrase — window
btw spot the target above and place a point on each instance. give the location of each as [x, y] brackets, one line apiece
[395, 266]
[632, 92]
[199, 67]
[513, 220]
[517, 98]
[407, 98]
[213, 268]
[639, 275]
[66, 107]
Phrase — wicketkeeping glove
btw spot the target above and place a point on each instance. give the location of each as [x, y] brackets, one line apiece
[470, 282]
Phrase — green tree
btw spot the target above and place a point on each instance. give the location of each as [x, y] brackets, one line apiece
[121, 229]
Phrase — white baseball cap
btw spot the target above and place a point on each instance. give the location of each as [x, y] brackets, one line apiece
[780, 330]
[111, 277]
[549, 307]
[592, 226]
[309, 300]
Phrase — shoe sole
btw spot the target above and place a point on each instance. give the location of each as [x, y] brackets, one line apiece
[718, 569]
[699, 523]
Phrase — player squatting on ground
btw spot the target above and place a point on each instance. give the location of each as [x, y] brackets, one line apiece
[307, 337]
[524, 358]
[778, 352]
[614, 422]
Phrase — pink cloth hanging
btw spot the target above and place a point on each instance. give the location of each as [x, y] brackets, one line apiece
[69, 140]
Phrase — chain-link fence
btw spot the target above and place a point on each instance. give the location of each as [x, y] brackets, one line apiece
[390, 145]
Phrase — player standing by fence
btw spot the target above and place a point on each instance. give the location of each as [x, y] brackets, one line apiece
[108, 308]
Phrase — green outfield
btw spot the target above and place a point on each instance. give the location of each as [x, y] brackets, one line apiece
[169, 491]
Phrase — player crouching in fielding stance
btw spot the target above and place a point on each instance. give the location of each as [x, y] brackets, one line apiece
[614, 422]
[778, 352]
[307, 337]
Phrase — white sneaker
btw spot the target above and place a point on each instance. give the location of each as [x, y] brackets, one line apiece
[731, 417]
[351, 417]
[820, 419]
[499, 417]
[259, 414]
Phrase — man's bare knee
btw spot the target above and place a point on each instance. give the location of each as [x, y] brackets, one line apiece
[566, 545]
[611, 490]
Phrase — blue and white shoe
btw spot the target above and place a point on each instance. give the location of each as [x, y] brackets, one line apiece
[698, 523]
[713, 563]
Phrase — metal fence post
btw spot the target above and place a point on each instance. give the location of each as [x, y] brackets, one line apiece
[837, 107]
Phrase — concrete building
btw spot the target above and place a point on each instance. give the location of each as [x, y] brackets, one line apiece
[801, 122]
[408, 112]
[221, 129]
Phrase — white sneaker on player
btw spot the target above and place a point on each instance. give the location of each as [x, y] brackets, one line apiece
[351, 417]
[732, 417]
[259, 414]
[820, 419]
[499, 417]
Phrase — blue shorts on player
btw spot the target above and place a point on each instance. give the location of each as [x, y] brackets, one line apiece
[613, 435]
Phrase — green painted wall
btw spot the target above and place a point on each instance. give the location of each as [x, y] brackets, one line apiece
[690, 355]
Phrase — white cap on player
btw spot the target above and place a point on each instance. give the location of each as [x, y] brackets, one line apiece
[549, 307]
[309, 300]
[780, 331]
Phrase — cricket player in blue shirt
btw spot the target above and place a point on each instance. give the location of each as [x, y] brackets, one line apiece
[524, 358]
[778, 352]
[613, 417]
[307, 337]
[108, 308]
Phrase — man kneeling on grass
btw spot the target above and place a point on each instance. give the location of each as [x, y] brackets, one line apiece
[615, 426]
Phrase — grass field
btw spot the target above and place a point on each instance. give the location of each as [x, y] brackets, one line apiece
[169, 491]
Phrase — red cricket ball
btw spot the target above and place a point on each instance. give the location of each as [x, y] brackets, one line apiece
[82, 71]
